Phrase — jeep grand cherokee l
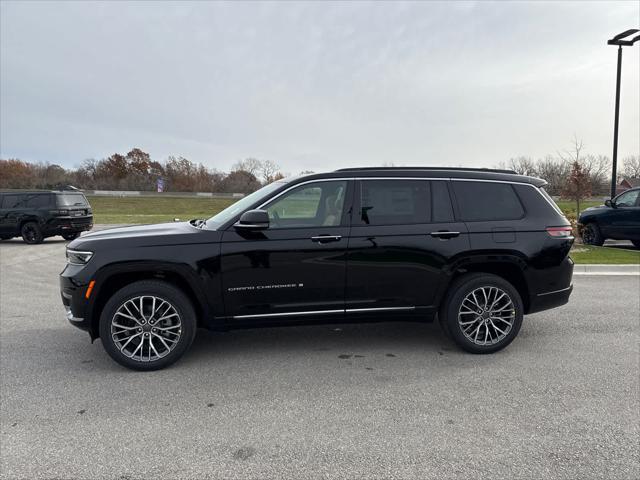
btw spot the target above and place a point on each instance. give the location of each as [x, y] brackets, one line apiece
[36, 215]
[476, 249]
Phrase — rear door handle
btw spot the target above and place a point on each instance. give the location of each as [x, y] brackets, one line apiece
[326, 238]
[445, 235]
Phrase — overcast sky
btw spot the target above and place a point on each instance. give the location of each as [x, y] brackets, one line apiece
[314, 86]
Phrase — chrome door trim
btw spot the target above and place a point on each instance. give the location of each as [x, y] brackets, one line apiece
[320, 312]
[288, 314]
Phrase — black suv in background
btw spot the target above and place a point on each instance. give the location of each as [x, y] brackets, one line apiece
[476, 249]
[37, 215]
[618, 219]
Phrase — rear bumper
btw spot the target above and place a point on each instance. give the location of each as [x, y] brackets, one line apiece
[547, 300]
[69, 224]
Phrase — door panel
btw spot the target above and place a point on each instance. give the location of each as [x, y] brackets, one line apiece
[402, 237]
[399, 266]
[298, 265]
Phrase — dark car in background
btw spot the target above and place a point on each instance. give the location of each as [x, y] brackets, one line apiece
[476, 249]
[36, 215]
[617, 219]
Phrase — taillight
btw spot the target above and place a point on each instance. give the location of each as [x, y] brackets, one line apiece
[559, 232]
[59, 212]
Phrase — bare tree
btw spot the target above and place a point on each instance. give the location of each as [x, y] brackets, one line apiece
[555, 171]
[249, 165]
[631, 166]
[268, 170]
[522, 166]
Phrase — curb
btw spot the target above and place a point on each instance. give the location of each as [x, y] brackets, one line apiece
[603, 269]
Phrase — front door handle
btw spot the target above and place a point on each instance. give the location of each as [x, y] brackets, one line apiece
[326, 238]
[444, 234]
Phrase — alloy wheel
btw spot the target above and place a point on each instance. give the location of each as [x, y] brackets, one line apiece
[146, 328]
[486, 315]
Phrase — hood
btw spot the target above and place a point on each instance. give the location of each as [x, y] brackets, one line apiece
[174, 233]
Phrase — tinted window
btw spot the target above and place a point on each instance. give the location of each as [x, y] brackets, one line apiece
[13, 201]
[313, 205]
[37, 201]
[487, 201]
[394, 202]
[442, 209]
[71, 200]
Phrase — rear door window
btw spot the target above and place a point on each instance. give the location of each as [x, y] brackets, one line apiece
[71, 200]
[394, 202]
[13, 201]
[487, 201]
[37, 201]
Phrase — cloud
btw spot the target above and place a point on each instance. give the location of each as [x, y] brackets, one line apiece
[313, 85]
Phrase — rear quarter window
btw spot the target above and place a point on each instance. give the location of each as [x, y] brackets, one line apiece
[38, 201]
[487, 201]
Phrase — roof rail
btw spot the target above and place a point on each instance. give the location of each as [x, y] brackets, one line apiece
[461, 169]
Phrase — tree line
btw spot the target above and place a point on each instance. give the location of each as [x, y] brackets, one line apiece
[561, 169]
[137, 171]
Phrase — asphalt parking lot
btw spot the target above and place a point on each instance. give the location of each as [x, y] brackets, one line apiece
[393, 400]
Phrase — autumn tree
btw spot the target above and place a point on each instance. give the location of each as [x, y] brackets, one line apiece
[578, 185]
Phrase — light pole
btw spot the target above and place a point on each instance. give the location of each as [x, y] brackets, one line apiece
[620, 41]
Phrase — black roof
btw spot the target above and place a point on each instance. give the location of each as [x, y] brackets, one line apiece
[432, 172]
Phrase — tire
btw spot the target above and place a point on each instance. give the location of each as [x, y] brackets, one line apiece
[169, 339]
[70, 236]
[31, 233]
[479, 332]
[636, 243]
[591, 235]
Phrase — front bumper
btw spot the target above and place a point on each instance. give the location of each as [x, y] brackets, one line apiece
[74, 303]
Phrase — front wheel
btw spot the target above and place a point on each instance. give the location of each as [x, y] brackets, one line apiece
[147, 325]
[483, 313]
[591, 235]
[70, 236]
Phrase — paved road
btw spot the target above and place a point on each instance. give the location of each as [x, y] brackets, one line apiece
[362, 401]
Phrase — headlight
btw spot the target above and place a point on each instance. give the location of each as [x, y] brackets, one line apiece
[76, 257]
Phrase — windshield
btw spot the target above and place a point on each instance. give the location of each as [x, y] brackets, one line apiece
[241, 205]
[71, 200]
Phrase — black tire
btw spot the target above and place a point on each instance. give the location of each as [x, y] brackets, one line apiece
[163, 291]
[453, 305]
[31, 233]
[636, 243]
[70, 236]
[591, 235]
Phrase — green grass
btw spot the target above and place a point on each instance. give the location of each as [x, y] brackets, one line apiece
[604, 255]
[568, 207]
[129, 210]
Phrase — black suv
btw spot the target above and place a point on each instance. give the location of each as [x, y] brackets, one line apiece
[477, 249]
[37, 215]
[618, 219]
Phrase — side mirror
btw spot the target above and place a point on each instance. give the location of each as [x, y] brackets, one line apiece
[253, 220]
[609, 203]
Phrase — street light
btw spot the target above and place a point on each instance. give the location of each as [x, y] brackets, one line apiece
[620, 41]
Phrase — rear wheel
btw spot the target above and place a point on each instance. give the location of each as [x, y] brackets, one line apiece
[70, 235]
[32, 233]
[591, 235]
[147, 325]
[483, 313]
